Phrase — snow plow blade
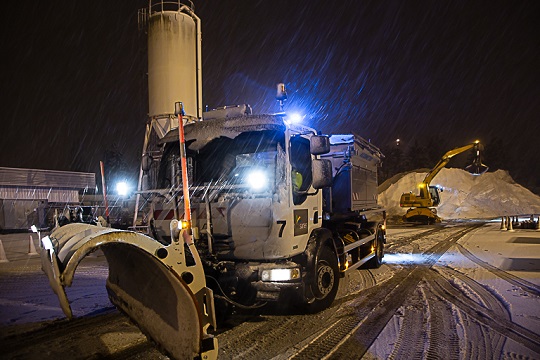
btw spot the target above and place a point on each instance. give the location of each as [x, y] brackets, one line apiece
[161, 288]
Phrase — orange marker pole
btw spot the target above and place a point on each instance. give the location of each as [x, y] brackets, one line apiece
[104, 190]
[179, 110]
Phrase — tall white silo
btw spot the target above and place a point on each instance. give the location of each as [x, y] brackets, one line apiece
[174, 62]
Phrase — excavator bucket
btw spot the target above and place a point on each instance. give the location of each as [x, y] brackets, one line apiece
[153, 284]
[477, 168]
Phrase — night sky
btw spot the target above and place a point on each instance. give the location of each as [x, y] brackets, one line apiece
[74, 85]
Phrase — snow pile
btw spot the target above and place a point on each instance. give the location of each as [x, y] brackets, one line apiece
[465, 196]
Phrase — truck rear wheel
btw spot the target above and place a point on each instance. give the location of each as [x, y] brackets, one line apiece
[325, 281]
[376, 262]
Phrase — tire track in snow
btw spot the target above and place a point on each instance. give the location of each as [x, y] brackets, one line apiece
[477, 333]
[411, 340]
[443, 339]
[253, 337]
[408, 240]
[376, 311]
[512, 279]
[272, 335]
[343, 308]
[357, 313]
[488, 317]
[259, 344]
[367, 279]
[490, 300]
[57, 338]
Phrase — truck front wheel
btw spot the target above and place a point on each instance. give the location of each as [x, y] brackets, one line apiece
[325, 281]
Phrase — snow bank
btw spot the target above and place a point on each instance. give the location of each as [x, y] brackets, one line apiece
[465, 196]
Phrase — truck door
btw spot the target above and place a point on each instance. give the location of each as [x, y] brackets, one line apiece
[305, 200]
[300, 158]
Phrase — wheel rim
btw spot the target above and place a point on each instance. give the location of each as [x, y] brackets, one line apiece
[325, 279]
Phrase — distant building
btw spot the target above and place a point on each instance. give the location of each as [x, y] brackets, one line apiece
[27, 196]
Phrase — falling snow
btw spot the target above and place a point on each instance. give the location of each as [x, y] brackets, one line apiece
[76, 84]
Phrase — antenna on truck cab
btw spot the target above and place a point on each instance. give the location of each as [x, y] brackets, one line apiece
[281, 95]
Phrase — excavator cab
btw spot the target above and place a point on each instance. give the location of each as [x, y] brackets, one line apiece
[434, 193]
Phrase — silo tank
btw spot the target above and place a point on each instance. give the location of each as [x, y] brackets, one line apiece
[172, 63]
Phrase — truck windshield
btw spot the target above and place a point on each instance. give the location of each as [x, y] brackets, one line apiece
[248, 157]
[256, 170]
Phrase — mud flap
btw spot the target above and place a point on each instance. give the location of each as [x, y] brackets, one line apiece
[149, 282]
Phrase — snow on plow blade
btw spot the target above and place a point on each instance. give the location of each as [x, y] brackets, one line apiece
[161, 288]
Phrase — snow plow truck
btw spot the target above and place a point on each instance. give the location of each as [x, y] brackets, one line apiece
[231, 208]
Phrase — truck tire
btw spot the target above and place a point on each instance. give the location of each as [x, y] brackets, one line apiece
[325, 281]
[376, 262]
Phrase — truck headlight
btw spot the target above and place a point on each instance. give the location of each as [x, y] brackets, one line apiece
[295, 118]
[257, 179]
[280, 274]
[122, 188]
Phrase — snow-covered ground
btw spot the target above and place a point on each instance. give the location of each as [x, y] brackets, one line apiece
[503, 262]
[495, 264]
[25, 294]
[516, 253]
[466, 196]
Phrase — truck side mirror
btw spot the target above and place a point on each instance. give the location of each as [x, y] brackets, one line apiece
[319, 144]
[322, 173]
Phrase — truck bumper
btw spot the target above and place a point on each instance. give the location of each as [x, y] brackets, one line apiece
[270, 280]
[271, 291]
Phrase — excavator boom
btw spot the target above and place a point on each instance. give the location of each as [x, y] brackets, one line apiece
[476, 166]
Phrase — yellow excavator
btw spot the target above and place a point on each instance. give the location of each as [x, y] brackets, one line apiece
[421, 207]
